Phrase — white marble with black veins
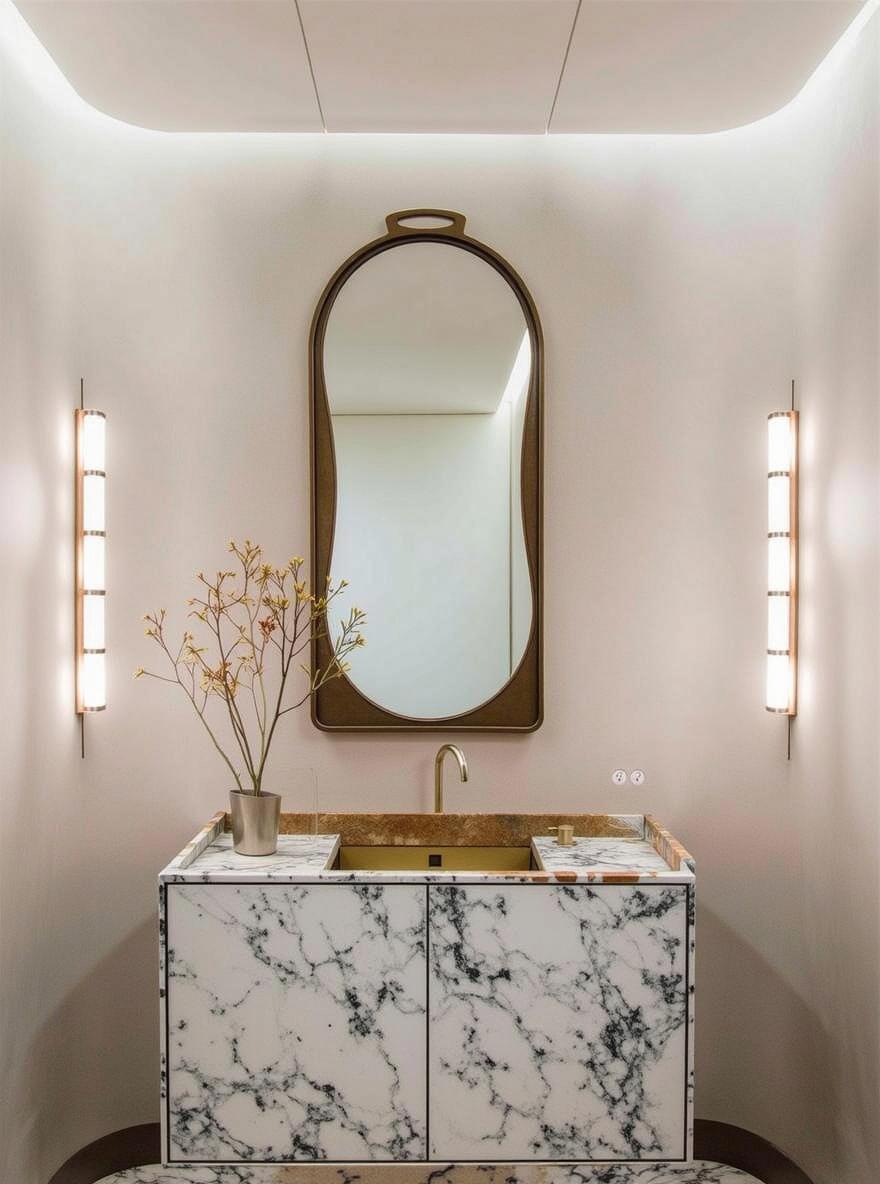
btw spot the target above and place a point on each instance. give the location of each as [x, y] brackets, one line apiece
[602, 854]
[296, 1022]
[315, 1015]
[558, 1021]
[219, 862]
[210, 858]
[696, 1172]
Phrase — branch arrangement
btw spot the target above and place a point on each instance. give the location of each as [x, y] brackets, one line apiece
[258, 619]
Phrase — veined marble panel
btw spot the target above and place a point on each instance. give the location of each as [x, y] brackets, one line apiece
[296, 1022]
[697, 1172]
[218, 862]
[558, 1022]
[599, 855]
[691, 1042]
[309, 859]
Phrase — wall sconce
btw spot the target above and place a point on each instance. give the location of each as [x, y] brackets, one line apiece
[782, 561]
[91, 478]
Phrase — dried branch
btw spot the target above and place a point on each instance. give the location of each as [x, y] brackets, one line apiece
[250, 615]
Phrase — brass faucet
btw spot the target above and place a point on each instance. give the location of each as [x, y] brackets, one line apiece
[438, 772]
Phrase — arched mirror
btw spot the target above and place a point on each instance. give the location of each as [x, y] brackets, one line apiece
[426, 385]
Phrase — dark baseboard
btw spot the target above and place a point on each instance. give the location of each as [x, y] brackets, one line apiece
[139, 1145]
[129, 1148]
[741, 1149]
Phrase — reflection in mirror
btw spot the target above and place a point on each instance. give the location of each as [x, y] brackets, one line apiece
[427, 368]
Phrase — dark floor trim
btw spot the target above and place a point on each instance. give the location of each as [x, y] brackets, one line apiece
[132, 1147]
[139, 1145]
[741, 1149]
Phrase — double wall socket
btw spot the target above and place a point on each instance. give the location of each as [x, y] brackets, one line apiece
[620, 777]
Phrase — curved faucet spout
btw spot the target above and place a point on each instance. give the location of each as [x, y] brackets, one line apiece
[438, 772]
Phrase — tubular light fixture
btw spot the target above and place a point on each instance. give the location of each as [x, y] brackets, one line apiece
[91, 478]
[782, 541]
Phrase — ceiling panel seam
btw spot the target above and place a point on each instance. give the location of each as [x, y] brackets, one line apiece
[577, 13]
[302, 30]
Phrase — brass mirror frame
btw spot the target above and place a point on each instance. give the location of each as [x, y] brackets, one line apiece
[340, 706]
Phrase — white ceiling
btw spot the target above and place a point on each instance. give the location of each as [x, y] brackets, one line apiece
[438, 65]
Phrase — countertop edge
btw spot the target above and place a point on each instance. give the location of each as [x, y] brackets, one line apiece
[681, 868]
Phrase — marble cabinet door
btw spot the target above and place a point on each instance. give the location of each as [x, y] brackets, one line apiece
[296, 1022]
[558, 1022]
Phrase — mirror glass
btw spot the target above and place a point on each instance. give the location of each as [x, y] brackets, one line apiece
[427, 368]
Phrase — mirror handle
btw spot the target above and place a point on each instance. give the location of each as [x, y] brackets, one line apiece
[455, 222]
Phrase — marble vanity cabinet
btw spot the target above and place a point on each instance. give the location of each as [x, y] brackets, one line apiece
[353, 1016]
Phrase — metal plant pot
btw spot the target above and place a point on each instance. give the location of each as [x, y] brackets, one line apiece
[255, 822]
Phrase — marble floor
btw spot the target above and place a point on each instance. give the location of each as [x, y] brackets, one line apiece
[698, 1172]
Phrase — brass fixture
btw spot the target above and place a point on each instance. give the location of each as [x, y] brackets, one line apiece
[438, 772]
[442, 858]
[564, 834]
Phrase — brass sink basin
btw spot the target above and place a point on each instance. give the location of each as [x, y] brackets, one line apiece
[428, 859]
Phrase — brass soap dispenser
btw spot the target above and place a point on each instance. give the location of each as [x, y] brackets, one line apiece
[564, 834]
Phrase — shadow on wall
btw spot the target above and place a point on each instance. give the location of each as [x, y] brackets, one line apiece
[733, 973]
[96, 1035]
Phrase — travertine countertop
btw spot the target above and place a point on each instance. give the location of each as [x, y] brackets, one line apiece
[630, 848]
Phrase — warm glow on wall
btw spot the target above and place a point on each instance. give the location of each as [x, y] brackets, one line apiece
[782, 478]
[91, 479]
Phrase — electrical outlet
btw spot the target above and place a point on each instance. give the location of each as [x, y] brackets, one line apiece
[618, 777]
[637, 777]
